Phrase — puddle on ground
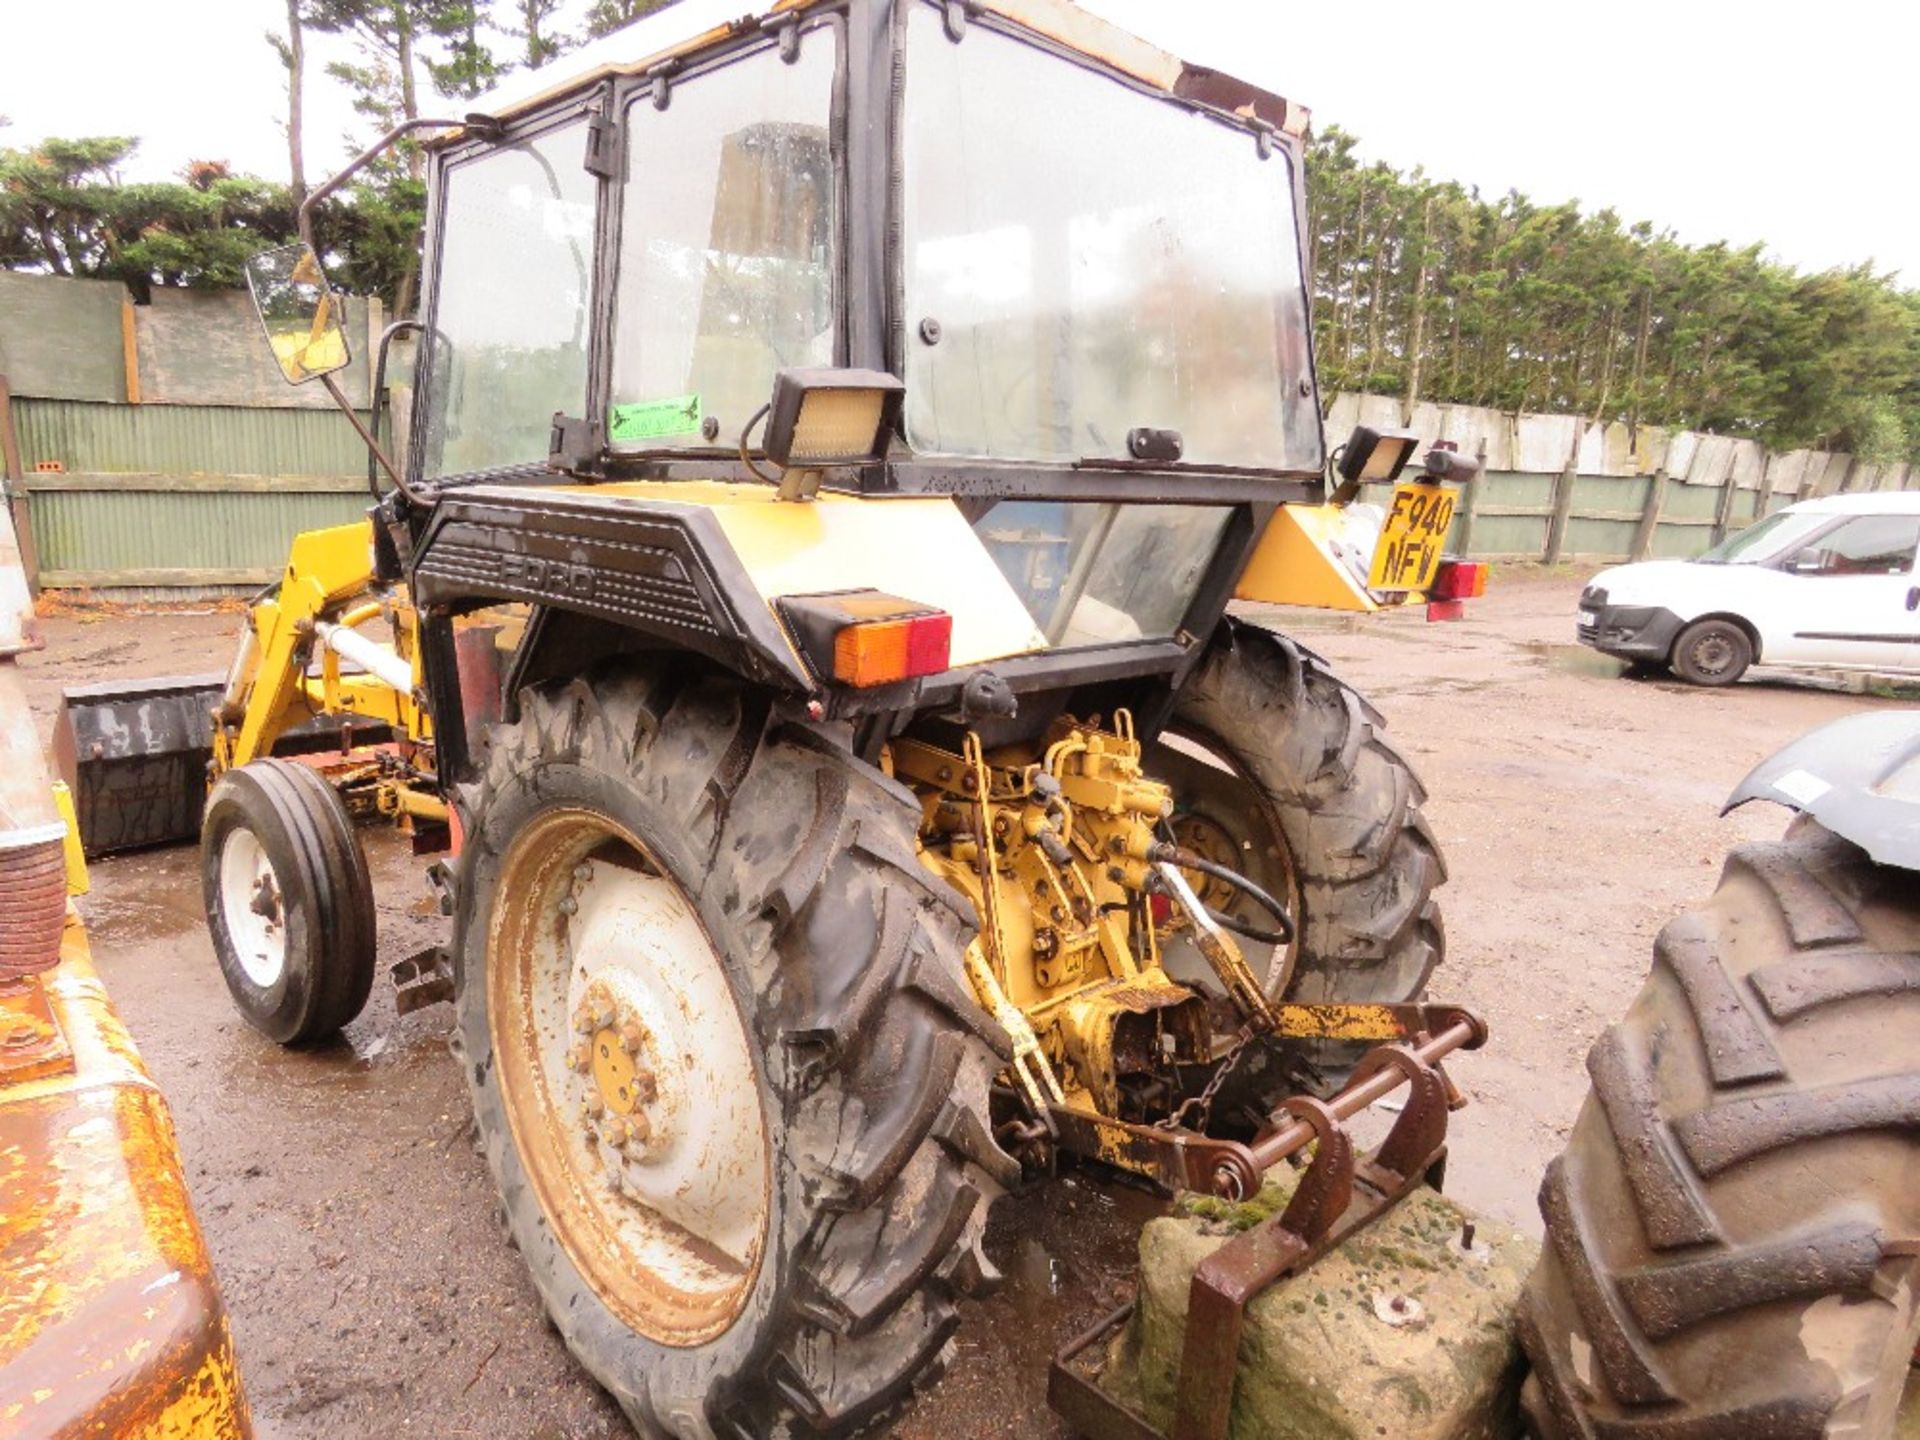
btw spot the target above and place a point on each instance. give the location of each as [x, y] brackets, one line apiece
[1574, 659]
[143, 896]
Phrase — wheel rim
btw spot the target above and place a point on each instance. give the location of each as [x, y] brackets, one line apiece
[627, 1077]
[253, 907]
[1223, 817]
[1713, 654]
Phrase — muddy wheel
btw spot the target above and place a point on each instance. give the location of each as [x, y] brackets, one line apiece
[1712, 652]
[723, 1058]
[1732, 1228]
[289, 903]
[1283, 771]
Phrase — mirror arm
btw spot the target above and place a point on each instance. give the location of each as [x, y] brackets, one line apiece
[373, 445]
[482, 125]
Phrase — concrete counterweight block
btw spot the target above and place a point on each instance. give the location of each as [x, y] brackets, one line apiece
[1402, 1332]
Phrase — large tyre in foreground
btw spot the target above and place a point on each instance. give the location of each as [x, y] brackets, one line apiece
[289, 901]
[1284, 772]
[723, 1058]
[1732, 1229]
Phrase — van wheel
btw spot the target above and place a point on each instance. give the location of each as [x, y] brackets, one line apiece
[1712, 652]
[1732, 1229]
[724, 1061]
[289, 902]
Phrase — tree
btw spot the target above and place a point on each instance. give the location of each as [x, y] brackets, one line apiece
[606, 16]
[1428, 291]
[397, 39]
[536, 32]
[65, 211]
[292, 50]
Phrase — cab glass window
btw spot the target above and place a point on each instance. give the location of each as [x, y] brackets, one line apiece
[1865, 545]
[728, 247]
[1102, 574]
[510, 318]
[1083, 259]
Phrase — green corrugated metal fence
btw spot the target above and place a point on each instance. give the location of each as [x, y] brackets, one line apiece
[136, 532]
[179, 500]
[186, 439]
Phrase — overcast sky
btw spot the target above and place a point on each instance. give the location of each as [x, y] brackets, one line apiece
[1794, 126]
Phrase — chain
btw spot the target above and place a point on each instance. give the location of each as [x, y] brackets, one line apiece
[1204, 1100]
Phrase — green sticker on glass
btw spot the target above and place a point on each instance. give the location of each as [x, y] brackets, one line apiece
[651, 419]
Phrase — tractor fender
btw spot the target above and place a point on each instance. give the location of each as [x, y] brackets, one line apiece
[662, 569]
[1859, 777]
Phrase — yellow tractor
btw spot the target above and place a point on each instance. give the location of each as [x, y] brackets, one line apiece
[801, 611]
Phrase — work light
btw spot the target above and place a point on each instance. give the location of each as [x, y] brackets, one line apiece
[831, 417]
[1374, 455]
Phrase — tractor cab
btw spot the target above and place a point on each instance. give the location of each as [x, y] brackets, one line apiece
[826, 254]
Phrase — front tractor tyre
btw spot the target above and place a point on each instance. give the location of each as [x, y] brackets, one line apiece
[723, 1058]
[1283, 772]
[289, 902]
[1732, 1228]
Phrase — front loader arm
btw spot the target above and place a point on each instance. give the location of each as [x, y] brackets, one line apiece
[269, 690]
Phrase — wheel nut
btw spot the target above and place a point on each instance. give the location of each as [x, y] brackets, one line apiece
[583, 872]
[645, 1089]
[568, 904]
[631, 1035]
[583, 1023]
[639, 1129]
[614, 1132]
[596, 1107]
[578, 1058]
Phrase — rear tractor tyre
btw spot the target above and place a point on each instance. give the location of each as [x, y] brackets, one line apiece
[1281, 770]
[1732, 1229]
[289, 902]
[1712, 652]
[723, 1058]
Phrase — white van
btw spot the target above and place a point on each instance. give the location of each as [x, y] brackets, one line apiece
[1826, 584]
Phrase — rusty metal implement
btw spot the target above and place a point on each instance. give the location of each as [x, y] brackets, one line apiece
[1339, 1195]
[111, 1322]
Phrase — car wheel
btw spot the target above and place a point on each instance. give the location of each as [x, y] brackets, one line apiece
[1712, 652]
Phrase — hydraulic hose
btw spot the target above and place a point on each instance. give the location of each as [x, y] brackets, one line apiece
[1187, 860]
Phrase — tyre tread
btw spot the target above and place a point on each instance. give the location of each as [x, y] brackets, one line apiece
[1695, 1086]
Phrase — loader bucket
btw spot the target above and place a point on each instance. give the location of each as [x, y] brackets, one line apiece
[135, 758]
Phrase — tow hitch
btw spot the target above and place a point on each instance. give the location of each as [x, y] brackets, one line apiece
[1339, 1195]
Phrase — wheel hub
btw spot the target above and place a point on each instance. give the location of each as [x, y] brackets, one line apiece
[612, 1017]
[1210, 841]
[252, 908]
[618, 1069]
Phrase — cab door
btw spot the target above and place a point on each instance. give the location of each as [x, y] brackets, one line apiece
[1854, 596]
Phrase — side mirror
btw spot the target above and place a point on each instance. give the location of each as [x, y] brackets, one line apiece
[298, 312]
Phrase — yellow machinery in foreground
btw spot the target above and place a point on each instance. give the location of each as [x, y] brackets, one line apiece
[802, 612]
[111, 1323]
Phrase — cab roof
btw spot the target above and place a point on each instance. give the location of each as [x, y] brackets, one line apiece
[693, 25]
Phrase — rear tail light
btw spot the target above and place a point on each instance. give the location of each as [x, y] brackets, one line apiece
[865, 638]
[879, 652]
[1459, 580]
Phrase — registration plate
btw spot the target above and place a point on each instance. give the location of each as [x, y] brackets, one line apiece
[1410, 542]
[1589, 618]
